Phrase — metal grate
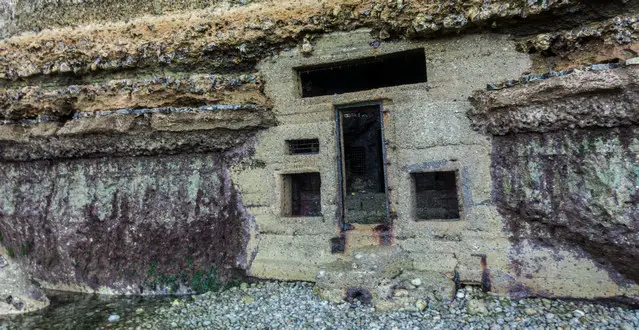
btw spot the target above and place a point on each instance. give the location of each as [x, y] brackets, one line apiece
[435, 181]
[303, 147]
[356, 160]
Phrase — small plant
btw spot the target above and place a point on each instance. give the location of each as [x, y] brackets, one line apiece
[11, 253]
[26, 248]
[152, 269]
[235, 283]
[169, 281]
[199, 280]
[202, 282]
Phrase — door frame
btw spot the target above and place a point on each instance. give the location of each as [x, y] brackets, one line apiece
[341, 190]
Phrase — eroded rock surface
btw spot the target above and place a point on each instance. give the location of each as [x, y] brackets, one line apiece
[564, 164]
[612, 40]
[126, 224]
[579, 188]
[235, 38]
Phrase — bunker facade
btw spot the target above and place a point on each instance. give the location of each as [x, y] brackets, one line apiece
[398, 147]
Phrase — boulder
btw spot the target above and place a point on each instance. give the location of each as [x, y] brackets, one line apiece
[18, 294]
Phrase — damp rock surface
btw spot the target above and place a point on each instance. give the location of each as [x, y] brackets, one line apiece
[125, 225]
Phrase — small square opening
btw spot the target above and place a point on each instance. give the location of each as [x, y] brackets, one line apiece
[301, 196]
[436, 196]
[303, 147]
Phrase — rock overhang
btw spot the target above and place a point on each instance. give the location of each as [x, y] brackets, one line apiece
[604, 97]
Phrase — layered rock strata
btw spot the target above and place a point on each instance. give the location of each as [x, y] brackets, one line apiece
[223, 39]
[603, 98]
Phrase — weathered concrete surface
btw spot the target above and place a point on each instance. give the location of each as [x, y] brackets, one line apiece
[426, 129]
[388, 276]
[605, 98]
[240, 36]
[128, 224]
[17, 293]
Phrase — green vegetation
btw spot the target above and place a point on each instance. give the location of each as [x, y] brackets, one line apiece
[26, 248]
[11, 253]
[202, 282]
[199, 280]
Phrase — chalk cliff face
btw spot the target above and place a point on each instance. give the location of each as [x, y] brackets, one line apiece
[141, 142]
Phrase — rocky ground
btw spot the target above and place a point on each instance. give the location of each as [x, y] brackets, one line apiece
[277, 305]
[17, 293]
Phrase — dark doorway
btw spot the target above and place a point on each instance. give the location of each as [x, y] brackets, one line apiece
[363, 180]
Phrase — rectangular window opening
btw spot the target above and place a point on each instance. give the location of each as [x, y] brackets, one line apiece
[401, 68]
[436, 196]
[303, 147]
[301, 196]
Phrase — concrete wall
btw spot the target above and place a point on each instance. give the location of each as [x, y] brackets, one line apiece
[427, 129]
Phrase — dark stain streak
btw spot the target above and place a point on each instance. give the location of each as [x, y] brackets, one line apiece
[384, 235]
[486, 284]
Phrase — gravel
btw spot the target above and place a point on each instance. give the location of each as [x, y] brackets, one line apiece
[294, 305]
[277, 305]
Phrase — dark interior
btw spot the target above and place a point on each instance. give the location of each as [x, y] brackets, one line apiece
[305, 194]
[365, 199]
[402, 68]
[436, 195]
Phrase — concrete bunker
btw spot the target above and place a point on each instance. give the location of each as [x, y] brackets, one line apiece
[225, 133]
